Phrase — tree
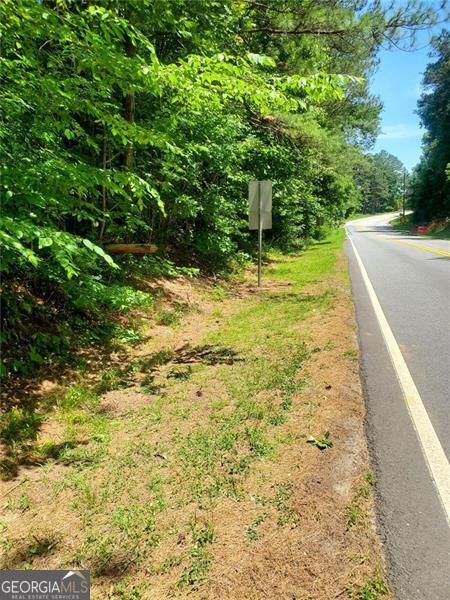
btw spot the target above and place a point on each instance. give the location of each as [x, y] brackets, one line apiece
[430, 189]
[144, 120]
[379, 179]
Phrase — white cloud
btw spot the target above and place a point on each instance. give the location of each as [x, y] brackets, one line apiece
[401, 131]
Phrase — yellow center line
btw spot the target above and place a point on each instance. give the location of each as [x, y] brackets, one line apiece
[420, 246]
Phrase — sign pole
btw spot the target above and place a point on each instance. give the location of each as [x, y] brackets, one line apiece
[404, 191]
[259, 235]
[260, 214]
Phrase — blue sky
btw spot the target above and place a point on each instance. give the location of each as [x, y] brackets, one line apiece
[398, 83]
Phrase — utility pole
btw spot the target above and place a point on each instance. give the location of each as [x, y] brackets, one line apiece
[404, 191]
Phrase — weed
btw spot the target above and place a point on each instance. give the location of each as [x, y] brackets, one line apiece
[370, 478]
[128, 335]
[19, 425]
[24, 502]
[363, 491]
[170, 563]
[207, 457]
[8, 468]
[351, 354]
[106, 555]
[203, 535]
[252, 533]
[22, 552]
[87, 495]
[218, 293]
[277, 418]
[41, 545]
[374, 589]
[154, 412]
[135, 520]
[287, 404]
[181, 373]
[53, 450]
[79, 396]
[112, 379]
[197, 572]
[171, 317]
[284, 378]
[321, 443]
[355, 512]
[286, 515]
[259, 446]
[123, 591]
[354, 515]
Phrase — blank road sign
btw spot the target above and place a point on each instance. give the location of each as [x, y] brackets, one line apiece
[255, 190]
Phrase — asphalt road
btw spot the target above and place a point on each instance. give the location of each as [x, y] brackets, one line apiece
[410, 276]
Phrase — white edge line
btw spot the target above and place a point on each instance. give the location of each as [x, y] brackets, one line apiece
[431, 447]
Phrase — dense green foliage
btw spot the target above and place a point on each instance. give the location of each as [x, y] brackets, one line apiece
[430, 190]
[381, 178]
[142, 121]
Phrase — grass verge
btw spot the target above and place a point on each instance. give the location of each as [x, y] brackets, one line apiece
[187, 471]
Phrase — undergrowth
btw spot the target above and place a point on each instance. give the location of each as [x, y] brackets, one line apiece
[45, 322]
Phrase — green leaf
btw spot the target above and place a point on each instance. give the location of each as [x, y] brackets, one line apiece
[44, 242]
[35, 356]
[100, 252]
[261, 59]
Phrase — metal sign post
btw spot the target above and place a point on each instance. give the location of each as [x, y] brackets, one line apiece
[260, 213]
[259, 234]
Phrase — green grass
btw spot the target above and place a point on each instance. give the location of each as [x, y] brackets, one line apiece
[356, 511]
[171, 317]
[197, 571]
[262, 350]
[374, 589]
[19, 425]
[218, 293]
[318, 259]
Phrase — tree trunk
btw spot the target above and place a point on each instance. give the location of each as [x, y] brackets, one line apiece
[129, 107]
[103, 222]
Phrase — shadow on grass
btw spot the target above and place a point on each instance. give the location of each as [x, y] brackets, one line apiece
[297, 298]
[39, 544]
[21, 421]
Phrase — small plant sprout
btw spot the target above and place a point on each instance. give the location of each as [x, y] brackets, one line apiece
[321, 443]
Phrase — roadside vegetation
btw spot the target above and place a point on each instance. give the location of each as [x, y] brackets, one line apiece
[436, 229]
[188, 467]
[143, 122]
[429, 194]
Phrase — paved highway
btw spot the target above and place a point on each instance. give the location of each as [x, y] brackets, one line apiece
[401, 290]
